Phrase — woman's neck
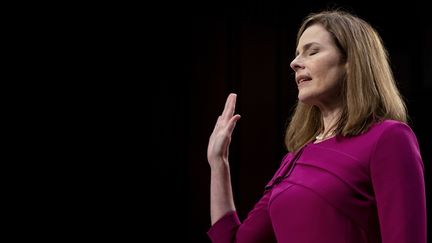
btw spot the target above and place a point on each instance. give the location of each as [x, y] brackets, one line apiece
[330, 118]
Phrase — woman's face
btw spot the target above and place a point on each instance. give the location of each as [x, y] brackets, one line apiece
[319, 68]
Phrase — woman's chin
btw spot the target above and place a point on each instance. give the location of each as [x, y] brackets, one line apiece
[305, 98]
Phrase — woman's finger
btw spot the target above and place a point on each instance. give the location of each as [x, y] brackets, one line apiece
[232, 123]
[229, 106]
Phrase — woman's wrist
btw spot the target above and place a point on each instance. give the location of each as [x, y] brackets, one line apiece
[219, 165]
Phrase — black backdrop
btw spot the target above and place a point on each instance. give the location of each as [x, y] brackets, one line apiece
[200, 52]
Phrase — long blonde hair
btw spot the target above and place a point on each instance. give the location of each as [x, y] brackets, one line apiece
[369, 93]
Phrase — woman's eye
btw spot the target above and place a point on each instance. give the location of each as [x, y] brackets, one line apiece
[313, 53]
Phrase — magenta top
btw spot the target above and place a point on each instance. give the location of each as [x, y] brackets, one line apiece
[369, 188]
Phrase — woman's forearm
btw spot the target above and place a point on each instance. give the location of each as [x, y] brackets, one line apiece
[221, 196]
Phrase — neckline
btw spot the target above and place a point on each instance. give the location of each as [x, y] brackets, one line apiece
[313, 141]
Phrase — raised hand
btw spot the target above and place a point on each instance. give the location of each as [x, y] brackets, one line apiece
[220, 139]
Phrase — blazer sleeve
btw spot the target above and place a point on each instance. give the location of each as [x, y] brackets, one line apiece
[397, 175]
[225, 229]
[255, 228]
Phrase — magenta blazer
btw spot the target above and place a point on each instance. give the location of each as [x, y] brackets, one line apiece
[364, 189]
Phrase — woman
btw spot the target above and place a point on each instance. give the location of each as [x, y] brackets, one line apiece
[354, 172]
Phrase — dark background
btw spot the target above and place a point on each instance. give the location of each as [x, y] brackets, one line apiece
[199, 52]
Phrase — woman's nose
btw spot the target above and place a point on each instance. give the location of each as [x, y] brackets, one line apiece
[296, 64]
